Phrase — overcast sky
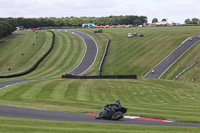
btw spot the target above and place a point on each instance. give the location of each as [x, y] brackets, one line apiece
[174, 10]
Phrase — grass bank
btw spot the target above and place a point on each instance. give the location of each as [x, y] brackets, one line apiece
[66, 55]
[139, 55]
[176, 101]
[13, 125]
[20, 54]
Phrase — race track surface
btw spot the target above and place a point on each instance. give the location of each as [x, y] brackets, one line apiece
[9, 111]
[4, 84]
[167, 62]
[89, 56]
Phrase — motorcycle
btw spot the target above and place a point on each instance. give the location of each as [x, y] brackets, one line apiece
[112, 113]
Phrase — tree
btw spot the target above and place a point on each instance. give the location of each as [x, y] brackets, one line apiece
[6, 28]
[164, 19]
[20, 21]
[137, 22]
[13, 22]
[195, 21]
[187, 21]
[143, 19]
[154, 20]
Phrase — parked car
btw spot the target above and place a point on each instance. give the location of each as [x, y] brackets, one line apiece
[129, 35]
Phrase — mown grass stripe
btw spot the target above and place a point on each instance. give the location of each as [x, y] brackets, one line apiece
[152, 98]
[54, 59]
[47, 90]
[15, 95]
[16, 60]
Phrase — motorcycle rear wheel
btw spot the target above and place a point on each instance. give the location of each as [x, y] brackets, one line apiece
[117, 115]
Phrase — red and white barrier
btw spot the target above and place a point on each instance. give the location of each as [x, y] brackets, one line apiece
[136, 117]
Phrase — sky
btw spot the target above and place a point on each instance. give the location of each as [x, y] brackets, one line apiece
[173, 10]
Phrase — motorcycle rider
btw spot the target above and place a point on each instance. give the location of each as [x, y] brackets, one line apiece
[109, 108]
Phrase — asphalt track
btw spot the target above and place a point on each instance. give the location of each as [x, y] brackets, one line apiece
[4, 84]
[89, 56]
[86, 63]
[9, 111]
[168, 61]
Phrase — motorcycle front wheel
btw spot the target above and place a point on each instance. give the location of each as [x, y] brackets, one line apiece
[98, 116]
[117, 115]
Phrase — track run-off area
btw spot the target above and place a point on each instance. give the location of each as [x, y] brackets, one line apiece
[86, 62]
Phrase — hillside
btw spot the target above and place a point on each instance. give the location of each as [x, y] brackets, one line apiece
[177, 101]
[22, 52]
[162, 98]
[139, 55]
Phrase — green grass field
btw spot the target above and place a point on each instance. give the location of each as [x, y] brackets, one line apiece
[4, 38]
[132, 55]
[16, 125]
[178, 101]
[139, 55]
[66, 55]
[11, 52]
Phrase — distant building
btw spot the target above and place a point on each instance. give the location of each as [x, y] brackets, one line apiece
[161, 23]
[89, 25]
[176, 24]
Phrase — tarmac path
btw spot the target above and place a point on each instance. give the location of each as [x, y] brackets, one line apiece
[8, 111]
[168, 61]
[4, 84]
[89, 56]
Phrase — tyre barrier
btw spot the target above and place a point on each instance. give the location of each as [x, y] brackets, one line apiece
[104, 56]
[100, 77]
[36, 65]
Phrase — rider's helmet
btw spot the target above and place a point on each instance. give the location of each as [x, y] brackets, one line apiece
[117, 102]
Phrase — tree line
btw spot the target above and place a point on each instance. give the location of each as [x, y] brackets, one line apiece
[7, 26]
[78, 21]
[193, 21]
[156, 20]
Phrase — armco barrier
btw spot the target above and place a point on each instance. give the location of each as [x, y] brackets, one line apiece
[100, 77]
[36, 65]
[104, 56]
[185, 70]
